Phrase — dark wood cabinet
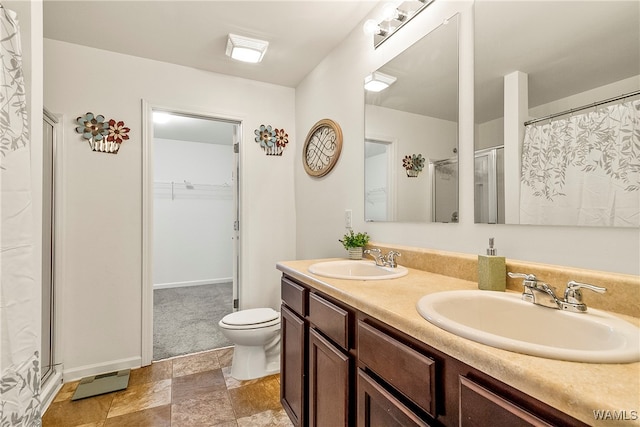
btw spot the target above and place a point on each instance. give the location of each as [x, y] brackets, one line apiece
[329, 370]
[341, 367]
[292, 366]
[377, 407]
[480, 406]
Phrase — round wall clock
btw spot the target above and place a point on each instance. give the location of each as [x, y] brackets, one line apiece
[322, 148]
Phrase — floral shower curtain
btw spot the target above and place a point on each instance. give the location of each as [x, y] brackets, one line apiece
[584, 169]
[19, 292]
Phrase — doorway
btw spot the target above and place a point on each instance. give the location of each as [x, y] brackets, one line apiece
[192, 245]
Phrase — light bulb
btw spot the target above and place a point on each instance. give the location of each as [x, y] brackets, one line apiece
[389, 11]
[371, 27]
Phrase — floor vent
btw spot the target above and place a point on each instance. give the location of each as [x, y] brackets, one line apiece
[101, 384]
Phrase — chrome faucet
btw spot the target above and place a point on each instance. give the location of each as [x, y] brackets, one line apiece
[542, 294]
[376, 254]
[388, 260]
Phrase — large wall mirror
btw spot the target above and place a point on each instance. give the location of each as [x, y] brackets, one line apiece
[557, 112]
[411, 132]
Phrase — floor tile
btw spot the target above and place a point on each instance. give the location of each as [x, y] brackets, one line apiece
[266, 419]
[141, 396]
[69, 413]
[225, 356]
[191, 386]
[200, 362]
[157, 371]
[160, 416]
[255, 398]
[66, 391]
[186, 391]
[208, 409]
[234, 383]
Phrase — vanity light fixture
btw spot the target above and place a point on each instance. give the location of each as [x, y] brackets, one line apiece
[392, 18]
[246, 49]
[377, 81]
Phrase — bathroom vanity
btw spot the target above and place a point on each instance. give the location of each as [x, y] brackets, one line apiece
[357, 352]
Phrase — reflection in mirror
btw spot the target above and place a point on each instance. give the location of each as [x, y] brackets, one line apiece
[411, 133]
[576, 65]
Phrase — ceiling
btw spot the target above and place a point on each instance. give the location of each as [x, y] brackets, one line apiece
[194, 33]
[566, 47]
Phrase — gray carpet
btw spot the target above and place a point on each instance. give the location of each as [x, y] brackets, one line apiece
[185, 320]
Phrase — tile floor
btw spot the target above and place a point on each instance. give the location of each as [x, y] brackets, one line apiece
[193, 390]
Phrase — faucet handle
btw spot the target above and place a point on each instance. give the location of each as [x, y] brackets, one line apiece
[527, 277]
[391, 258]
[573, 294]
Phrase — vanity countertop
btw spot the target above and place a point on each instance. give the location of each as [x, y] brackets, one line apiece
[577, 389]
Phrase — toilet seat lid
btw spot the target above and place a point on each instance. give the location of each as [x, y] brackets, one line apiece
[253, 316]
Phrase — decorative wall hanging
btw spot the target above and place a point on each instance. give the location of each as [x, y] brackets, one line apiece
[413, 164]
[104, 137]
[272, 141]
[322, 148]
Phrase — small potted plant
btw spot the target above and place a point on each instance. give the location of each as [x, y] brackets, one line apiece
[354, 242]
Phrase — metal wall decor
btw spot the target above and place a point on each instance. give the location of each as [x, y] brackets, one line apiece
[322, 148]
[103, 136]
[273, 141]
[413, 164]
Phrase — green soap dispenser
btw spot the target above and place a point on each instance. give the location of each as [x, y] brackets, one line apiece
[492, 270]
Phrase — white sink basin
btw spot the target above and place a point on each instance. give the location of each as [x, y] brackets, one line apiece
[504, 321]
[356, 270]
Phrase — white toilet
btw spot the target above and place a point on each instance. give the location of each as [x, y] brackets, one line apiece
[256, 335]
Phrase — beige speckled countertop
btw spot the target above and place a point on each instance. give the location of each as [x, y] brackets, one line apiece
[574, 388]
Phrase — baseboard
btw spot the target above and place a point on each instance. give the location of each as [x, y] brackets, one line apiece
[192, 283]
[101, 368]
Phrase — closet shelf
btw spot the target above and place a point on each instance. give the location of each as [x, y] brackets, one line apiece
[187, 190]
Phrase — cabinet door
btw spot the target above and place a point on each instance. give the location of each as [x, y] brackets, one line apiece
[292, 364]
[328, 383]
[379, 408]
[480, 407]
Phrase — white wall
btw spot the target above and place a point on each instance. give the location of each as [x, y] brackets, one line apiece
[193, 228]
[334, 90]
[412, 133]
[103, 192]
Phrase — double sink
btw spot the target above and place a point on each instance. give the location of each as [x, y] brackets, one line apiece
[503, 320]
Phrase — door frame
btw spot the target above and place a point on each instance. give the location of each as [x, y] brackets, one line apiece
[147, 213]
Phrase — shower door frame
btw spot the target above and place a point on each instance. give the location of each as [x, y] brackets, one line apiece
[147, 214]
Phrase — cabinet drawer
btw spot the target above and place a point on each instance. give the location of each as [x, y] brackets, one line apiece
[409, 372]
[294, 296]
[378, 407]
[330, 319]
[480, 407]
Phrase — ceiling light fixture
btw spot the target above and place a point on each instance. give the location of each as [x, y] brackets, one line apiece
[377, 81]
[246, 49]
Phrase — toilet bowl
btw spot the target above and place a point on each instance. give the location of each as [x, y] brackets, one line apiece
[256, 335]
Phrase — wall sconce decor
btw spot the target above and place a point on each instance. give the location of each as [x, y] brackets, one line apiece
[273, 141]
[393, 18]
[413, 164]
[103, 136]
